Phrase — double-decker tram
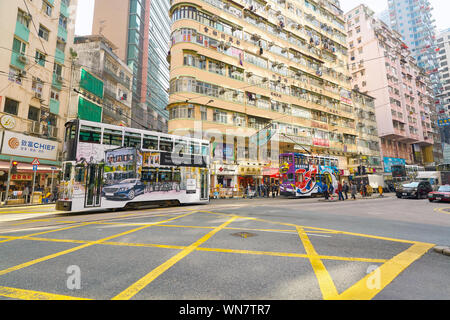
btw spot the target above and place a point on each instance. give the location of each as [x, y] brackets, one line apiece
[107, 167]
[306, 175]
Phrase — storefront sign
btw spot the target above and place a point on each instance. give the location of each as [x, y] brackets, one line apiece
[22, 177]
[389, 162]
[17, 144]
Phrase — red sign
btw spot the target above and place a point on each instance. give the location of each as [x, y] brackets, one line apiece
[22, 177]
[35, 162]
[321, 142]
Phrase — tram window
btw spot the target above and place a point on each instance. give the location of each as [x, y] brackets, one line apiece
[205, 149]
[150, 142]
[165, 176]
[177, 175]
[297, 161]
[90, 134]
[112, 137]
[181, 146]
[67, 171]
[166, 144]
[70, 133]
[132, 139]
[327, 162]
[322, 161]
[291, 177]
[80, 173]
[195, 148]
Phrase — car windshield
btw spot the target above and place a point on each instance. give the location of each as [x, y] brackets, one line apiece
[127, 181]
[444, 189]
[411, 185]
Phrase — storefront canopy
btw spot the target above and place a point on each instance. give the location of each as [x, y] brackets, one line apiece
[27, 167]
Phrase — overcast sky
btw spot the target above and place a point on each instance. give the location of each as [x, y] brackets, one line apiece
[440, 13]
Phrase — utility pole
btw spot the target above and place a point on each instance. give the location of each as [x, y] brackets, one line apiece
[9, 180]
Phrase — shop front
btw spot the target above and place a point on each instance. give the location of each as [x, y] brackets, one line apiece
[249, 175]
[271, 176]
[17, 171]
[224, 180]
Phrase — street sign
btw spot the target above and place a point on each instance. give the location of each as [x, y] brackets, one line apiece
[35, 162]
[35, 167]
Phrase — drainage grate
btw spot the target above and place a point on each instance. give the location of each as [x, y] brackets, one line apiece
[244, 234]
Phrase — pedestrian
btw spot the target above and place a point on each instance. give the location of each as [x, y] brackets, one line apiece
[26, 193]
[369, 190]
[259, 190]
[363, 190]
[325, 192]
[380, 191]
[331, 190]
[354, 189]
[273, 190]
[339, 191]
[345, 189]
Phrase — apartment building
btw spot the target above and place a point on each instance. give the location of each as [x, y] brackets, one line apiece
[246, 68]
[382, 66]
[34, 55]
[141, 31]
[368, 140]
[443, 56]
[96, 54]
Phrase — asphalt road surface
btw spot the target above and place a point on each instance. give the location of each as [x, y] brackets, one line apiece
[255, 249]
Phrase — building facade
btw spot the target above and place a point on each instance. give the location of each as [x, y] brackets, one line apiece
[241, 69]
[381, 66]
[415, 22]
[369, 155]
[95, 54]
[35, 41]
[140, 29]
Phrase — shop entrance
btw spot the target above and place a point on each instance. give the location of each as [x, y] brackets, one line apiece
[204, 185]
[94, 177]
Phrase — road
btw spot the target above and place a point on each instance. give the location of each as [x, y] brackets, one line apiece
[252, 249]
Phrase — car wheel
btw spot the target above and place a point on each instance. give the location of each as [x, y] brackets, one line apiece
[131, 195]
[431, 200]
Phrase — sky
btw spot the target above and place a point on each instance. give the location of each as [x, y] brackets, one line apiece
[440, 12]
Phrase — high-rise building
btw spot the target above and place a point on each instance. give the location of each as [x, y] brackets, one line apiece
[443, 56]
[245, 68]
[382, 66]
[414, 21]
[35, 78]
[140, 29]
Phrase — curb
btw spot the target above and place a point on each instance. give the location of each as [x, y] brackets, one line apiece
[442, 250]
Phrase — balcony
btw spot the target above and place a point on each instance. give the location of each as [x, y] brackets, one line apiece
[43, 130]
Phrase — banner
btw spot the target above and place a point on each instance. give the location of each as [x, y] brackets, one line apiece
[16, 144]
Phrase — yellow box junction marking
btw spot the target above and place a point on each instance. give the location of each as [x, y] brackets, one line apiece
[326, 284]
[22, 294]
[32, 262]
[155, 273]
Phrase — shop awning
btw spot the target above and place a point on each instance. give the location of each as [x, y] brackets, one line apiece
[28, 167]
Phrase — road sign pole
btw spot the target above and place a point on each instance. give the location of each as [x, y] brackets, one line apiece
[34, 181]
[9, 180]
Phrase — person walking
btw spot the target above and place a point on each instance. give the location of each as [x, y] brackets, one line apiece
[325, 192]
[331, 190]
[363, 190]
[345, 189]
[354, 189]
[339, 191]
[273, 190]
[380, 191]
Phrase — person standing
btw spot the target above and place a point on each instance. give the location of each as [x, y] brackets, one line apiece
[380, 191]
[325, 192]
[354, 189]
[339, 191]
[345, 189]
[26, 193]
[273, 190]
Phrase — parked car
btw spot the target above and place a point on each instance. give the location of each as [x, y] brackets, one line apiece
[443, 194]
[415, 189]
[125, 189]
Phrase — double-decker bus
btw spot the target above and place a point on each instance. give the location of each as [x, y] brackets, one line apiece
[306, 175]
[108, 167]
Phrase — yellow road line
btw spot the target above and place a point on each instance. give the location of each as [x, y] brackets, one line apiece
[155, 273]
[366, 289]
[442, 210]
[250, 252]
[326, 284]
[32, 262]
[33, 295]
[308, 229]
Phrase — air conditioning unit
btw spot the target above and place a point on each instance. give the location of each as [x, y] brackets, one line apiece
[23, 59]
[38, 95]
[61, 39]
[59, 78]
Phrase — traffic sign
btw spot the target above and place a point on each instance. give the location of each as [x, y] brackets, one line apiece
[35, 167]
[35, 162]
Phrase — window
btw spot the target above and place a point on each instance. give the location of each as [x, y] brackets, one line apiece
[57, 69]
[23, 18]
[150, 142]
[19, 46]
[90, 135]
[204, 113]
[219, 116]
[40, 58]
[54, 95]
[11, 106]
[47, 8]
[132, 139]
[112, 137]
[166, 144]
[43, 32]
[33, 113]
